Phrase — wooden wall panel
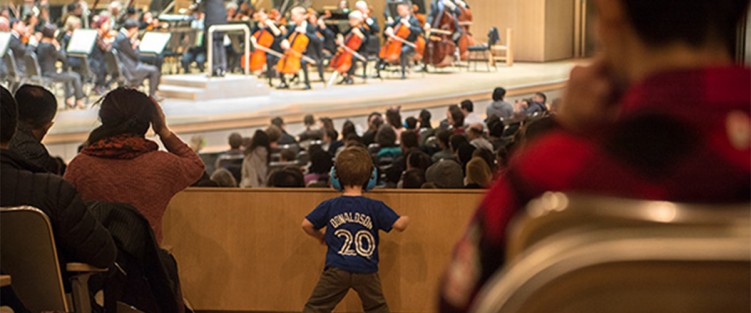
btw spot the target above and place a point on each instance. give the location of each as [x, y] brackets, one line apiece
[559, 29]
[244, 250]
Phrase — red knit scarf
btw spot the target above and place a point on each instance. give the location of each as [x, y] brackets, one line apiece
[125, 147]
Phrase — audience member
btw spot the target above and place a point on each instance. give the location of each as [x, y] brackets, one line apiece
[288, 177]
[320, 166]
[443, 137]
[286, 138]
[464, 154]
[375, 120]
[331, 141]
[386, 140]
[37, 108]
[455, 119]
[499, 107]
[256, 164]
[479, 174]
[476, 137]
[495, 133]
[536, 105]
[118, 164]
[418, 159]
[627, 129]
[287, 156]
[410, 123]
[353, 171]
[274, 133]
[413, 179]
[468, 107]
[235, 141]
[488, 156]
[394, 118]
[310, 132]
[223, 178]
[78, 235]
[425, 119]
[445, 174]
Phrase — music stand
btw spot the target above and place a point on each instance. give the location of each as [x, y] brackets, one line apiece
[154, 42]
[81, 42]
[4, 42]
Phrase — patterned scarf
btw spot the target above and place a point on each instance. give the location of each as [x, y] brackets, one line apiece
[124, 147]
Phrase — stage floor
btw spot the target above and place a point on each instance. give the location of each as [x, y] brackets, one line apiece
[419, 90]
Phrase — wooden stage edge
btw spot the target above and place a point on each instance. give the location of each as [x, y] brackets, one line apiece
[260, 121]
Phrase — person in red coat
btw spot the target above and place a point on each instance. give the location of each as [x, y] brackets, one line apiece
[118, 164]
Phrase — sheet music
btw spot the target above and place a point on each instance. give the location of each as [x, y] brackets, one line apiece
[154, 42]
[4, 41]
[82, 41]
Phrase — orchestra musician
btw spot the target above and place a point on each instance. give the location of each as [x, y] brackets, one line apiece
[315, 48]
[357, 28]
[17, 44]
[266, 26]
[410, 22]
[326, 34]
[373, 45]
[126, 44]
[104, 40]
[439, 6]
[48, 53]
[301, 26]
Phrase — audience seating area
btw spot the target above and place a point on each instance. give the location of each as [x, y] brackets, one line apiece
[574, 253]
[243, 249]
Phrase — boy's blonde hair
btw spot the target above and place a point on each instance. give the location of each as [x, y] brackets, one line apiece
[353, 166]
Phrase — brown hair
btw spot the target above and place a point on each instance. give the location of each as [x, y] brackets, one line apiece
[353, 166]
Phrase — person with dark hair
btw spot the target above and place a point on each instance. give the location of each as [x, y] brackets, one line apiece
[499, 107]
[649, 118]
[468, 109]
[288, 177]
[476, 137]
[331, 141]
[351, 267]
[495, 132]
[536, 105]
[413, 179]
[464, 153]
[286, 138]
[455, 141]
[19, 48]
[48, 53]
[418, 159]
[134, 70]
[78, 235]
[455, 119]
[410, 123]
[311, 132]
[443, 137]
[375, 120]
[256, 163]
[394, 118]
[320, 166]
[425, 119]
[274, 133]
[118, 164]
[37, 108]
[386, 139]
[287, 156]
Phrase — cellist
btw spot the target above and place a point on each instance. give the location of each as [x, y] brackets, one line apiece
[301, 26]
[408, 21]
[373, 46]
[357, 29]
[266, 27]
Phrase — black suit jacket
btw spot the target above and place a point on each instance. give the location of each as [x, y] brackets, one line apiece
[19, 52]
[216, 13]
[415, 29]
[128, 55]
[48, 55]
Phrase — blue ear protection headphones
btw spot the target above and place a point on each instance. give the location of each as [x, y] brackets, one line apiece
[338, 184]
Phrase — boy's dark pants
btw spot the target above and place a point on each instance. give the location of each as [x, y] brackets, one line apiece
[334, 285]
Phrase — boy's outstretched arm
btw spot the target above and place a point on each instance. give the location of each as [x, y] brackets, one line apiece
[311, 230]
[401, 224]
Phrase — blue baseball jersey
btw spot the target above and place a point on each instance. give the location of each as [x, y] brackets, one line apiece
[352, 225]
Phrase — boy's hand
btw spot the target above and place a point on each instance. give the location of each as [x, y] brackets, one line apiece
[309, 229]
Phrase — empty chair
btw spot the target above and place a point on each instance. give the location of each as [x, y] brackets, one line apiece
[34, 72]
[29, 255]
[483, 51]
[593, 254]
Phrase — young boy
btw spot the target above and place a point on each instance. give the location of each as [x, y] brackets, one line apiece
[352, 223]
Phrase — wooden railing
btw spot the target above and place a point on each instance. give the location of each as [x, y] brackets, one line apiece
[244, 250]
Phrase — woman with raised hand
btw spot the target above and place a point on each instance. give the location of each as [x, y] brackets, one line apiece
[118, 164]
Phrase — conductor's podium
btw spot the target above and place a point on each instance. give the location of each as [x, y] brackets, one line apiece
[244, 249]
[199, 87]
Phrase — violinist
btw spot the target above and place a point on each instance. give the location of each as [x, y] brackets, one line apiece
[354, 40]
[49, 52]
[126, 44]
[302, 29]
[18, 45]
[104, 40]
[405, 20]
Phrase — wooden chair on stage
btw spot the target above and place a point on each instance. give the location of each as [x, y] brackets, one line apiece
[504, 53]
[575, 253]
[482, 52]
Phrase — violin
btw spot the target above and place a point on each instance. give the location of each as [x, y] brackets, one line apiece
[290, 62]
[392, 50]
[342, 61]
[440, 49]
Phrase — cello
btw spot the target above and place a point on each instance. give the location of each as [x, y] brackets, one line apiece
[342, 61]
[440, 49]
[392, 49]
[262, 40]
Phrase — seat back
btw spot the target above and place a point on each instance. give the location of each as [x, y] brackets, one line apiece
[112, 63]
[32, 65]
[494, 37]
[28, 254]
[10, 65]
[577, 253]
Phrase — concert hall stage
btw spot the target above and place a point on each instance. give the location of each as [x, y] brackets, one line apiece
[420, 90]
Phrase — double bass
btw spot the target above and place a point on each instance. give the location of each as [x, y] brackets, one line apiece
[440, 49]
